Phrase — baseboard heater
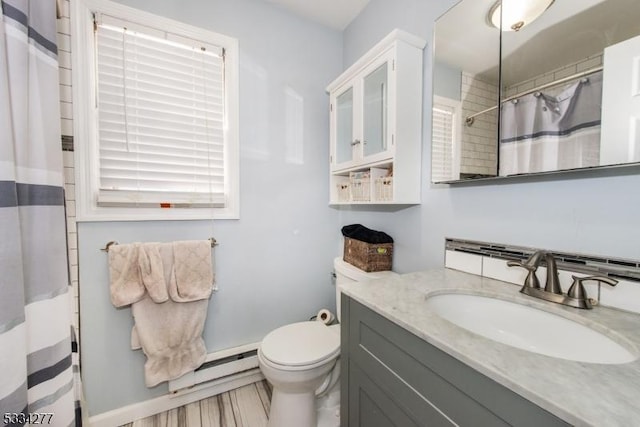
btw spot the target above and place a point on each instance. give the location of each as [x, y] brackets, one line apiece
[224, 364]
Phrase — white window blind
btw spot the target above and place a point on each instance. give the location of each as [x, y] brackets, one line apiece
[442, 143]
[161, 118]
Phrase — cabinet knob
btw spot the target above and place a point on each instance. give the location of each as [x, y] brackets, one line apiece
[355, 142]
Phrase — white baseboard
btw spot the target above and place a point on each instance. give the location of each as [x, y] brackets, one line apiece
[128, 414]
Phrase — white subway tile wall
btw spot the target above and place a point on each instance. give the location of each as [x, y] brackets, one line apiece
[478, 154]
[565, 71]
[66, 124]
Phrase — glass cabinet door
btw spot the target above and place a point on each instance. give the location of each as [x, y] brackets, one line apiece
[375, 110]
[344, 126]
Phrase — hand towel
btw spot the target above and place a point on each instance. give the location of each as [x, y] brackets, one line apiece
[169, 333]
[125, 283]
[171, 337]
[151, 271]
[192, 277]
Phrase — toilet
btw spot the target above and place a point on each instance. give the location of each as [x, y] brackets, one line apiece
[300, 361]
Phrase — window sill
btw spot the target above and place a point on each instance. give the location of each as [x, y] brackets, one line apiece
[157, 214]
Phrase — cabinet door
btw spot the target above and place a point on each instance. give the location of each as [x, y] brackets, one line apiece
[345, 142]
[377, 117]
[362, 116]
[375, 408]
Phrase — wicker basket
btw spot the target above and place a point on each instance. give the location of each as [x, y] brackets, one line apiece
[368, 256]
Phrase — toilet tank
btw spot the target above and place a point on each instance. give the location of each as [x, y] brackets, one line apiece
[346, 273]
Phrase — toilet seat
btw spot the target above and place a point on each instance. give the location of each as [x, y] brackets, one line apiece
[300, 345]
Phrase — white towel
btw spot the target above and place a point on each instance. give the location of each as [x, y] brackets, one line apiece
[170, 333]
[151, 271]
[125, 284]
[171, 337]
[192, 277]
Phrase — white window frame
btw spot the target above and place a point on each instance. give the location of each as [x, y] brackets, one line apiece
[456, 148]
[85, 116]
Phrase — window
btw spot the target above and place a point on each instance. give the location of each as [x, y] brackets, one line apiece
[445, 146]
[162, 118]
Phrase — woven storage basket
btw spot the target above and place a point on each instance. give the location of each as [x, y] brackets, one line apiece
[368, 256]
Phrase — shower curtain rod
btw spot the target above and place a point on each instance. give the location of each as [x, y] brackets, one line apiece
[113, 242]
[470, 119]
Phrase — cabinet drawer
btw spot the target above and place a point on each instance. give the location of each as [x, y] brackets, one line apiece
[463, 394]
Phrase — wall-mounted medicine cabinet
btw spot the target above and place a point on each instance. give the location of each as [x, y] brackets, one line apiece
[376, 125]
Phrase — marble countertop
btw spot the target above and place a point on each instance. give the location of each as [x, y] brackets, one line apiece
[582, 394]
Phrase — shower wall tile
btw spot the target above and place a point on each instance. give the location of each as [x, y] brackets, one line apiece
[64, 76]
[589, 63]
[69, 177]
[66, 127]
[66, 110]
[71, 225]
[64, 57]
[70, 192]
[479, 154]
[579, 66]
[65, 94]
[64, 45]
[543, 80]
[565, 72]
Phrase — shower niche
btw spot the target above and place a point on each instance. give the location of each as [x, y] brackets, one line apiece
[555, 89]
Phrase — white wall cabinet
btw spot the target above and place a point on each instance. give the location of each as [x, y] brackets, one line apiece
[376, 125]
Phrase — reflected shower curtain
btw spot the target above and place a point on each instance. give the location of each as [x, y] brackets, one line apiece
[552, 131]
[36, 375]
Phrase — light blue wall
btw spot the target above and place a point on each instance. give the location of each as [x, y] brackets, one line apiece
[273, 264]
[588, 212]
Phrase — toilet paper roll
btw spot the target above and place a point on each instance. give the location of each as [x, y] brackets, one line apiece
[325, 316]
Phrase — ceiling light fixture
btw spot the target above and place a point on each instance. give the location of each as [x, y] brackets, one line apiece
[516, 13]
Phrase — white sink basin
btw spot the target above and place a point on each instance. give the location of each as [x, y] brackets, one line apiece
[528, 328]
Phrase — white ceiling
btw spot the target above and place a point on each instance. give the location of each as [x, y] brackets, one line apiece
[335, 14]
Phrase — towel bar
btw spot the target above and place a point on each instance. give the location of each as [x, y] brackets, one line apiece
[113, 242]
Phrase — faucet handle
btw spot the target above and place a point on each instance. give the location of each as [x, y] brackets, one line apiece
[578, 291]
[532, 280]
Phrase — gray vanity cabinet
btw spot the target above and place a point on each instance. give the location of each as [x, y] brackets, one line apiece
[390, 377]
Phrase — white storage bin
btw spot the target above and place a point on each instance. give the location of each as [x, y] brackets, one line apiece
[360, 183]
[344, 191]
[384, 189]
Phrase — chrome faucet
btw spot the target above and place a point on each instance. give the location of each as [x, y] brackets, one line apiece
[575, 297]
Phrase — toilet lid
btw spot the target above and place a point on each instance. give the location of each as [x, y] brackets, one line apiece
[302, 343]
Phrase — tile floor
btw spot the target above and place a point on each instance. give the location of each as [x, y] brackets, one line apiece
[246, 406]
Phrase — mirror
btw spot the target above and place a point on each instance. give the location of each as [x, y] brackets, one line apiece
[344, 126]
[375, 111]
[569, 84]
[465, 83]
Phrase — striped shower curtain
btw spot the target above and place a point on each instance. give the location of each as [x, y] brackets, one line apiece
[557, 129]
[36, 375]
